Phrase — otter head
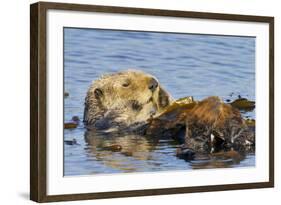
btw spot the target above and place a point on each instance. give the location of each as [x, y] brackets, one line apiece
[126, 98]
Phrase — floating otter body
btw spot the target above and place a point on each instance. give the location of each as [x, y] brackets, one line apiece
[133, 100]
[213, 125]
[205, 126]
[123, 100]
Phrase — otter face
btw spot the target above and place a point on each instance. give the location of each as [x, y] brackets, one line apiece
[129, 97]
[134, 88]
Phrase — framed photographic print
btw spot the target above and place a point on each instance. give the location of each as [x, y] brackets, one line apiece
[134, 102]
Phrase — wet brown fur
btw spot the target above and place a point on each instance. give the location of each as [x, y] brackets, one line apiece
[214, 124]
[213, 112]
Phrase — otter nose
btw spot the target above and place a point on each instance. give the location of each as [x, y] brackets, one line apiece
[153, 84]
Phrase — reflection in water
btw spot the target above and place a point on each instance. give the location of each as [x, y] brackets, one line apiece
[222, 159]
[117, 151]
[102, 147]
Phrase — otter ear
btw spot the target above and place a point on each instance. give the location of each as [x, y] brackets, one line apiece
[98, 93]
[164, 98]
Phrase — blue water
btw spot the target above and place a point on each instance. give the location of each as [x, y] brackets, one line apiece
[185, 64]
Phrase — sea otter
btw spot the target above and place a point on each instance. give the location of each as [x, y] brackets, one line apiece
[124, 100]
[132, 100]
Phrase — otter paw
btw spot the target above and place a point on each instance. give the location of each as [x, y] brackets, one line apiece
[186, 153]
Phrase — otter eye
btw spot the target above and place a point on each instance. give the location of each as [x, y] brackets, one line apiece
[126, 84]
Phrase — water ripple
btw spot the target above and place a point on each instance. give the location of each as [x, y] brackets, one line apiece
[197, 65]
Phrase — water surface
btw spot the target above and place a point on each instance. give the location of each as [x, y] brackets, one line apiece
[185, 64]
